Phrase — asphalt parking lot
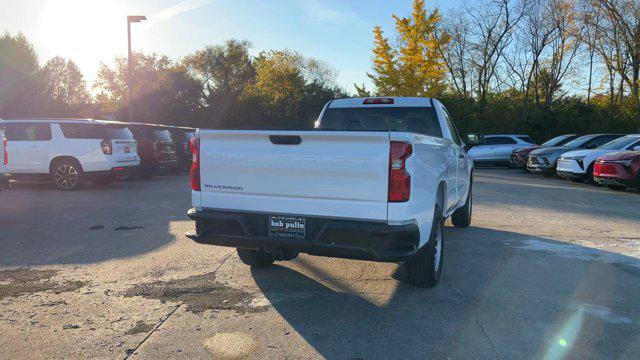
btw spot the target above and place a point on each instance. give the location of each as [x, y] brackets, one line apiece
[549, 269]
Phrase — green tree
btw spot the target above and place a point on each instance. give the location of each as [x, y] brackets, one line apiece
[224, 72]
[413, 65]
[64, 83]
[163, 91]
[19, 86]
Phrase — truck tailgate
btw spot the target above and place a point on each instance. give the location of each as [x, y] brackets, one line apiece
[341, 174]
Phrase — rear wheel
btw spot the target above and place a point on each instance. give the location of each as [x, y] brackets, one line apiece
[255, 258]
[425, 268]
[462, 216]
[67, 174]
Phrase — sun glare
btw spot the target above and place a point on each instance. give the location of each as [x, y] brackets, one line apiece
[87, 31]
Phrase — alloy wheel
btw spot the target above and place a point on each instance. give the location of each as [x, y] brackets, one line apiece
[66, 176]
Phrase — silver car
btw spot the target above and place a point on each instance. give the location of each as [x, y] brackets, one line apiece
[498, 148]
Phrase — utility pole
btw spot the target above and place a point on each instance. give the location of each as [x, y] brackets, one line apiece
[131, 19]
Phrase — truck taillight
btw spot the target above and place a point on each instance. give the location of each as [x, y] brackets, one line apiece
[399, 178]
[6, 154]
[194, 144]
[107, 147]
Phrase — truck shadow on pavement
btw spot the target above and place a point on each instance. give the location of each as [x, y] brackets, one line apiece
[503, 295]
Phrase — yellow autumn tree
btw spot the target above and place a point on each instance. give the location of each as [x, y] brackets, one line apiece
[413, 65]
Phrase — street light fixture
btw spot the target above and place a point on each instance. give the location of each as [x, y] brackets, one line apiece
[131, 19]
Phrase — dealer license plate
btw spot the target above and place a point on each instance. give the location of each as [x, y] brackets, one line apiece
[290, 226]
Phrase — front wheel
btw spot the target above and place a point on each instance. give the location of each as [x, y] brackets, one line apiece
[67, 175]
[462, 216]
[425, 268]
[255, 258]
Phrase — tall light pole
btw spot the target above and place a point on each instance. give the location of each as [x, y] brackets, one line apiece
[131, 19]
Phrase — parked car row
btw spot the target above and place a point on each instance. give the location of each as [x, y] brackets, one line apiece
[72, 151]
[601, 159]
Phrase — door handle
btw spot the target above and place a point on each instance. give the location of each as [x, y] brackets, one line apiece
[461, 156]
[285, 139]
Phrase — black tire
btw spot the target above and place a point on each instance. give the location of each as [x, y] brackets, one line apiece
[255, 258]
[104, 180]
[425, 268]
[67, 175]
[590, 178]
[462, 217]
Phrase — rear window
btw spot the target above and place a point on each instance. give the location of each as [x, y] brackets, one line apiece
[526, 139]
[84, 131]
[162, 134]
[119, 132]
[421, 120]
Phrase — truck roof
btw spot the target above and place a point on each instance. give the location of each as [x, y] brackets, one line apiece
[397, 102]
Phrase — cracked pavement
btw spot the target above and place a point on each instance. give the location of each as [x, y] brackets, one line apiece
[548, 269]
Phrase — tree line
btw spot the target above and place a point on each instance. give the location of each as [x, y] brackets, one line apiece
[220, 86]
[541, 67]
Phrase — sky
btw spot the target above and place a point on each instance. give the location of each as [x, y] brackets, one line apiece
[93, 31]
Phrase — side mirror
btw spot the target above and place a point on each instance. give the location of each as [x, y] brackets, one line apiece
[636, 148]
[592, 146]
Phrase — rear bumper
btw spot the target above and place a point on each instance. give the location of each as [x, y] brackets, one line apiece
[351, 239]
[120, 169]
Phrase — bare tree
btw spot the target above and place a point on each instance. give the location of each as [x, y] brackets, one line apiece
[492, 24]
[620, 27]
[456, 54]
[562, 50]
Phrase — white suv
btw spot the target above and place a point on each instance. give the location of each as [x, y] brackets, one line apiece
[69, 151]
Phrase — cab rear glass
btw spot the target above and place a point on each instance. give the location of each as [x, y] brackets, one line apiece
[421, 120]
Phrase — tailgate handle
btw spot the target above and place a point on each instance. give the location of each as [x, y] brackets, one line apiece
[285, 139]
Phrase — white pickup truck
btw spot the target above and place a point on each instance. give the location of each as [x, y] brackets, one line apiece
[374, 180]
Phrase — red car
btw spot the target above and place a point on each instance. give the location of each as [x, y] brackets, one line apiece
[618, 170]
[520, 155]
